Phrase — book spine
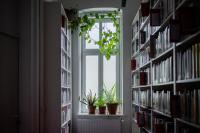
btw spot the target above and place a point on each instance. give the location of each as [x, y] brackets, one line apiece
[198, 107]
[196, 60]
[199, 59]
[193, 62]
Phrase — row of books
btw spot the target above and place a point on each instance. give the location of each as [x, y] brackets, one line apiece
[142, 20]
[154, 29]
[135, 46]
[135, 79]
[188, 63]
[163, 71]
[135, 110]
[140, 60]
[161, 125]
[190, 105]
[135, 29]
[135, 96]
[146, 79]
[66, 114]
[65, 78]
[167, 7]
[145, 98]
[135, 63]
[144, 119]
[162, 43]
[141, 78]
[65, 61]
[140, 118]
[66, 96]
[147, 124]
[145, 34]
[161, 101]
[144, 56]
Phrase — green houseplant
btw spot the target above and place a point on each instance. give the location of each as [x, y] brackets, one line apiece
[90, 101]
[109, 41]
[111, 100]
[101, 103]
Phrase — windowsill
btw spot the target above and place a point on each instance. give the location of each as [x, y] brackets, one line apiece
[86, 115]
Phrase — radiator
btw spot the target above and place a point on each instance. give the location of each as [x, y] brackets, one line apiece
[98, 125]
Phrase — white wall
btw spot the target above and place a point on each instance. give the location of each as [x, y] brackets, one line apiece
[128, 14]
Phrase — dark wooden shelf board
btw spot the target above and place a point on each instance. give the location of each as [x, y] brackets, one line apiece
[161, 113]
[189, 123]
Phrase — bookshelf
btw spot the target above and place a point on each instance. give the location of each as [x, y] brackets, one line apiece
[66, 74]
[165, 66]
[57, 69]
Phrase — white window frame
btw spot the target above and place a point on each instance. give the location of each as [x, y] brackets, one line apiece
[85, 52]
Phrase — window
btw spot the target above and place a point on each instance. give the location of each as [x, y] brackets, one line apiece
[96, 70]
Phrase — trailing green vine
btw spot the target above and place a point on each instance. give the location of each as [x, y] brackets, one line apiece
[109, 41]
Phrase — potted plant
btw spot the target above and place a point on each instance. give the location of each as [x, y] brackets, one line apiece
[111, 100]
[101, 103]
[90, 101]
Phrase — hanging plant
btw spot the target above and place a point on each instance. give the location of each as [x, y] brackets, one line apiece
[109, 41]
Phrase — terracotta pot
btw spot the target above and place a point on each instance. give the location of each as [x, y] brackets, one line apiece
[112, 108]
[102, 110]
[91, 109]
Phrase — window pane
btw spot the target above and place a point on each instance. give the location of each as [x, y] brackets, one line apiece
[94, 34]
[109, 71]
[108, 26]
[92, 74]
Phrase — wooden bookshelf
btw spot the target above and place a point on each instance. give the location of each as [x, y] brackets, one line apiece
[164, 61]
[188, 123]
[161, 113]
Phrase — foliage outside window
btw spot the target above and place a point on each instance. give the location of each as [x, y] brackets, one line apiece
[109, 41]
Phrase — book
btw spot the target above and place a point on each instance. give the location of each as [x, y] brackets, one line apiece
[175, 105]
[196, 61]
[193, 62]
[140, 119]
[169, 127]
[147, 120]
[188, 26]
[143, 78]
[175, 30]
[145, 7]
[133, 64]
[198, 100]
[189, 101]
[158, 125]
[142, 37]
[155, 19]
[145, 98]
[161, 101]
[199, 59]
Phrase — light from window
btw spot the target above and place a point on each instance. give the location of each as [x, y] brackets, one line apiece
[94, 34]
[109, 71]
[108, 26]
[92, 74]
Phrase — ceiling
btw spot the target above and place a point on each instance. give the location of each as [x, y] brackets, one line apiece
[84, 4]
